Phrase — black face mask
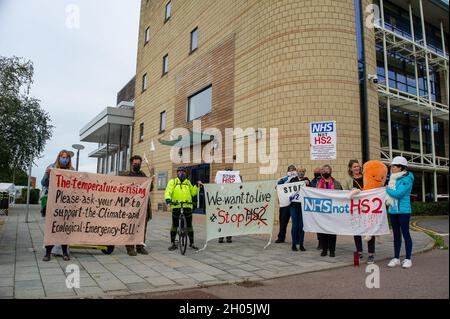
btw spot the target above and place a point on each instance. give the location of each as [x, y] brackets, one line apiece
[317, 175]
[136, 167]
[326, 175]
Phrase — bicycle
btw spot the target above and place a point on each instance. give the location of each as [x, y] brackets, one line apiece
[182, 228]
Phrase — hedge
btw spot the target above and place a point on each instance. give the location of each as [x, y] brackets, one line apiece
[430, 208]
[34, 196]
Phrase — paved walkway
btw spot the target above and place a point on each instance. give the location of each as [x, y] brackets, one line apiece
[23, 274]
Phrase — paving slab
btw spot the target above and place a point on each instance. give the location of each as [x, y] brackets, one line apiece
[23, 274]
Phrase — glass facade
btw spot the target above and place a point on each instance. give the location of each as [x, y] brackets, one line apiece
[405, 132]
[396, 19]
[442, 185]
[405, 123]
[402, 77]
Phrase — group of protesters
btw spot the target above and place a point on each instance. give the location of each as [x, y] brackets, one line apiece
[398, 189]
[180, 189]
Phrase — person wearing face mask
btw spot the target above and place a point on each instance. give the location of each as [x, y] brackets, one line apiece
[301, 239]
[317, 177]
[284, 213]
[328, 241]
[63, 161]
[135, 163]
[294, 210]
[180, 189]
[314, 181]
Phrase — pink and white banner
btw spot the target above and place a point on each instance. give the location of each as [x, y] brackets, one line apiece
[334, 212]
[95, 209]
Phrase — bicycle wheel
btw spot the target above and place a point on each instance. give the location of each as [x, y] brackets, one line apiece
[182, 235]
[108, 251]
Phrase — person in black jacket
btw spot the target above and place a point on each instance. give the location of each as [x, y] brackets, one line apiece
[295, 208]
[328, 241]
[317, 177]
[314, 181]
[135, 170]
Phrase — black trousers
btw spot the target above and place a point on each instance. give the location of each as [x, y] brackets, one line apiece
[328, 242]
[175, 223]
[370, 244]
[284, 217]
[48, 249]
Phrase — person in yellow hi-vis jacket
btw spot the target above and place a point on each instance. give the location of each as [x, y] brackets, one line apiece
[180, 189]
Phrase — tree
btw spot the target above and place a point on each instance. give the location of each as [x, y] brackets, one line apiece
[25, 126]
[20, 177]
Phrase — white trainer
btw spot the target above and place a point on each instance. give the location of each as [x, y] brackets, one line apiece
[407, 263]
[394, 262]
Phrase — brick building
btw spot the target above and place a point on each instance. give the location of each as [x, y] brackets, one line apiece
[285, 64]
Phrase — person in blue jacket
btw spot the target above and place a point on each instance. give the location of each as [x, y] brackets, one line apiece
[63, 161]
[399, 209]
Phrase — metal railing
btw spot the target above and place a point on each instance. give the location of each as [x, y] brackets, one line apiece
[415, 159]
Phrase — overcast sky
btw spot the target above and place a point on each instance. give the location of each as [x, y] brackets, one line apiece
[79, 67]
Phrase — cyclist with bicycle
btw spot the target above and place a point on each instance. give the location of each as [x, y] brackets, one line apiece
[180, 189]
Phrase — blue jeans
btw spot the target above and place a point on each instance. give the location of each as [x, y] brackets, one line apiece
[297, 232]
[284, 221]
[400, 226]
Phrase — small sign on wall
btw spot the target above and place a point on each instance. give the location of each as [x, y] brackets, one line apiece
[323, 140]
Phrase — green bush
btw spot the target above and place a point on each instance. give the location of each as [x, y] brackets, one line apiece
[430, 208]
[34, 196]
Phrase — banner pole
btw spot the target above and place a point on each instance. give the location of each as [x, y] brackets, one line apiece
[204, 247]
[270, 240]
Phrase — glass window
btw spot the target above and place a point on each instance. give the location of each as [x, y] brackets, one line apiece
[165, 64]
[199, 104]
[162, 121]
[112, 162]
[141, 132]
[416, 191]
[194, 39]
[144, 82]
[384, 140]
[439, 139]
[162, 180]
[168, 11]
[406, 133]
[147, 35]
[442, 184]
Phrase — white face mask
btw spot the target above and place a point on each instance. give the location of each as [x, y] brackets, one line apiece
[292, 174]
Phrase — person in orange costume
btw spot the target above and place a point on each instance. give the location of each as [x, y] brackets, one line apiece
[375, 173]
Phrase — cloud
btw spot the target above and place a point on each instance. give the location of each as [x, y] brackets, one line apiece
[78, 72]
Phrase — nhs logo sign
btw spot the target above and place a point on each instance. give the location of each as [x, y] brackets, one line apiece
[317, 205]
[323, 140]
[322, 127]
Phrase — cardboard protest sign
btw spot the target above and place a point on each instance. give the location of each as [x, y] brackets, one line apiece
[239, 209]
[333, 212]
[227, 177]
[95, 209]
[289, 192]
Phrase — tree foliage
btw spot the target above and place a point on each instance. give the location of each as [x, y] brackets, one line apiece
[24, 126]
